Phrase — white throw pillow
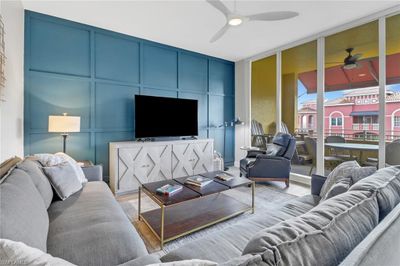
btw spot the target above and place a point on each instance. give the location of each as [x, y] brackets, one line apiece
[194, 262]
[77, 168]
[17, 253]
[48, 159]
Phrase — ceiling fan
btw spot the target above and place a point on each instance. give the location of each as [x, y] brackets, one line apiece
[350, 61]
[234, 19]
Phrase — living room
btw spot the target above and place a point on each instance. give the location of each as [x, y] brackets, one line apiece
[199, 132]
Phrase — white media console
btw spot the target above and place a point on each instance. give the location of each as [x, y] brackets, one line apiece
[133, 163]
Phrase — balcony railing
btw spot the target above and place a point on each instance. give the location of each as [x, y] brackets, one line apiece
[365, 126]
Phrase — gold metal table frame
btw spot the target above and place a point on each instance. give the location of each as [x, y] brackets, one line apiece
[163, 207]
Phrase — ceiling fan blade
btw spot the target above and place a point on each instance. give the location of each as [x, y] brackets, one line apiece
[271, 16]
[219, 34]
[355, 57]
[220, 6]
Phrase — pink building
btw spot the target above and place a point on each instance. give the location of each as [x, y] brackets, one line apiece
[355, 115]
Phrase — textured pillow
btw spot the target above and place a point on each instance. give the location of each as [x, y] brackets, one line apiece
[42, 184]
[194, 262]
[48, 159]
[77, 169]
[386, 182]
[17, 253]
[341, 187]
[23, 215]
[359, 173]
[323, 236]
[62, 178]
[342, 171]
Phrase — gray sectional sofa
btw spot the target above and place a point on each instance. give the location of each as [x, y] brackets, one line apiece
[88, 228]
[358, 227]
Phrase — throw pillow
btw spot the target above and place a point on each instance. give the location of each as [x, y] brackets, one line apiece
[341, 187]
[194, 262]
[362, 172]
[48, 159]
[17, 253]
[342, 171]
[77, 169]
[63, 179]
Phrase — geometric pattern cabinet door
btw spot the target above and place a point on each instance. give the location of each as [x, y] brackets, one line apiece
[135, 163]
[203, 152]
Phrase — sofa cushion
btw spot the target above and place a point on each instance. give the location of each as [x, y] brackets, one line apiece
[63, 179]
[342, 171]
[341, 187]
[360, 173]
[17, 253]
[23, 215]
[386, 182]
[323, 236]
[42, 184]
[90, 228]
[230, 241]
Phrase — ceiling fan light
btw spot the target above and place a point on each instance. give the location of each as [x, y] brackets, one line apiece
[235, 21]
[350, 66]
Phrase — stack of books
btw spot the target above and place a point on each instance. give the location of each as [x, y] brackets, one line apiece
[198, 181]
[224, 176]
[169, 190]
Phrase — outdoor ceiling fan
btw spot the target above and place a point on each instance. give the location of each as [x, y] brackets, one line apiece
[350, 61]
[234, 19]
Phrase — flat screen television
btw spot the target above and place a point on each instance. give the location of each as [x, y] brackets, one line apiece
[165, 117]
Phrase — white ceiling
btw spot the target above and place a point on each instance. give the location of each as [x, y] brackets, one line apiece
[191, 24]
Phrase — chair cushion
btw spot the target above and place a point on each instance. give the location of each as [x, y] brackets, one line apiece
[323, 236]
[230, 241]
[245, 162]
[42, 184]
[90, 228]
[386, 182]
[23, 215]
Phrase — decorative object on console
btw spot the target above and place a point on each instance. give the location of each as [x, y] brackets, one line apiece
[2, 59]
[198, 181]
[64, 124]
[169, 190]
[233, 123]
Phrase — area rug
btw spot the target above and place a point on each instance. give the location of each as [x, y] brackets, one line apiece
[266, 199]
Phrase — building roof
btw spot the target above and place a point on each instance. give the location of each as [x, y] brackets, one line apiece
[365, 91]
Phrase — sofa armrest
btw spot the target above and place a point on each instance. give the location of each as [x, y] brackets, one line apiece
[144, 260]
[317, 181]
[93, 173]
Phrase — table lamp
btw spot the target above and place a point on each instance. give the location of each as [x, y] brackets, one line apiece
[64, 124]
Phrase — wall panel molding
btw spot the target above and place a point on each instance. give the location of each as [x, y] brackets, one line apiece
[95, 73]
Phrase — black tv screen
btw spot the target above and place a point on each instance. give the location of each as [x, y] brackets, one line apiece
[165, 117]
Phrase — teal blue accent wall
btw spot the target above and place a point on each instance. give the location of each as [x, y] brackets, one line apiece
[95, 73]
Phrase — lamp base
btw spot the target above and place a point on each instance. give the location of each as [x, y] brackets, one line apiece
[64, 136]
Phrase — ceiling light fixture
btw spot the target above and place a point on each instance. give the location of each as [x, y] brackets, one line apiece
[235, 21]
[362, 75]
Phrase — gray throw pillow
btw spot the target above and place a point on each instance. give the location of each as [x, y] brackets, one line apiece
[63, 179]
[362, 172]
[342, 171]
[42, 184]
[341, 187]
[323, 236]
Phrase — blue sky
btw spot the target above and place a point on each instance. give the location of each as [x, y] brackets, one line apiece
[303, 96]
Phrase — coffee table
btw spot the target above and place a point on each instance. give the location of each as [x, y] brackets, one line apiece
[193, 208]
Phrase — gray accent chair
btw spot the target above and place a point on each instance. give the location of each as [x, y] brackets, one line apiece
[273, 164]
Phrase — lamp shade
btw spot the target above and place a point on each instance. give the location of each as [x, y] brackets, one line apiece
[64, 124]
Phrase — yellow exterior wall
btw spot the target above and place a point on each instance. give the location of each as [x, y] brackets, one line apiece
[263, 92]
[289, 101]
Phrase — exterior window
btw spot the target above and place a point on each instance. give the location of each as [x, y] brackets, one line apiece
[336, 121]
[397, 121]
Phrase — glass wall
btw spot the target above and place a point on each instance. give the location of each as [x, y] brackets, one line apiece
[263, 100]
[351, 94]
[299, 112]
